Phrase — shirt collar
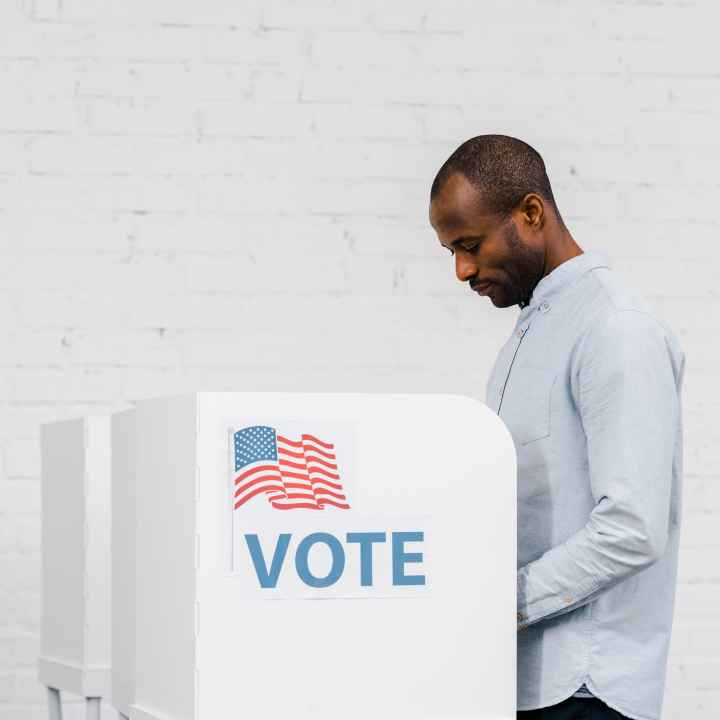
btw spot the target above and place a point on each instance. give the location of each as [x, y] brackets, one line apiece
[564, 275]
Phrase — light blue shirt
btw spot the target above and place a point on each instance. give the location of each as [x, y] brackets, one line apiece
[589, 385]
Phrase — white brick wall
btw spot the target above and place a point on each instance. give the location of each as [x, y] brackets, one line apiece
[178, 177]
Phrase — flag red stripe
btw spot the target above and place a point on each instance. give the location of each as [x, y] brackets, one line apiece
[307, 452]
[336, 504]
[299, 486]
[252, 471]
[312, 449]
[288, 441]
[264, 478]
[325, 491]
[297, 505]
[295, 496]
[316, 481]
[289, 463]
[312, 438]
[305, 436]
[297, 451]
[255, 492]
[322, 471]
[327, 464]
[297, 476]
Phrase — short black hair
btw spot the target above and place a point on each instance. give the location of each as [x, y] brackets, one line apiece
[503, 168]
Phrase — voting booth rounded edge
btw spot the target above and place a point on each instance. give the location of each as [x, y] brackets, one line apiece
[315, 555]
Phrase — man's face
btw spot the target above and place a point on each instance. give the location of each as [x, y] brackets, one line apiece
[503, 259]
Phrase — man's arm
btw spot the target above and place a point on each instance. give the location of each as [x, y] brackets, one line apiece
[629, 408]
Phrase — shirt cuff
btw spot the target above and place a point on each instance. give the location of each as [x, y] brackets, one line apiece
[531, 610]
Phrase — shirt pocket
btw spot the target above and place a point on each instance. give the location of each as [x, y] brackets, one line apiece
[526, 404]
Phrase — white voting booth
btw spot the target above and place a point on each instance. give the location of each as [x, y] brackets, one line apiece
[75, 617]
[312, 556]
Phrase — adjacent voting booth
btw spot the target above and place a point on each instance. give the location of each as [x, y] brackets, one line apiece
[75, 618]
[275, 555]
[313, 556]
[123, 561]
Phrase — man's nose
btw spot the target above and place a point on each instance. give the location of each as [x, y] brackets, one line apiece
[464, 268]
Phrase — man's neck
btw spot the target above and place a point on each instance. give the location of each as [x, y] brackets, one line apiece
[563, 249]
[558, 252]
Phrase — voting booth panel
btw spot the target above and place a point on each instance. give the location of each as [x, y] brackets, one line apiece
[75, 616]
[316, 555]
[123, 561]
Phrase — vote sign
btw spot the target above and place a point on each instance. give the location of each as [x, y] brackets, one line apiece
[296, 530]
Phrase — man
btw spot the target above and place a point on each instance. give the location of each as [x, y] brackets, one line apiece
[589, 385]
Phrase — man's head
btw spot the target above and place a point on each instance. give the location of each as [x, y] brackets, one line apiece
[492, 206]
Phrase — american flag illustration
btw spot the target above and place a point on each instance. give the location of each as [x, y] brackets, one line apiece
[289, 473]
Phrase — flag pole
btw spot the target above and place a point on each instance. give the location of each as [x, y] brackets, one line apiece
[231, 472]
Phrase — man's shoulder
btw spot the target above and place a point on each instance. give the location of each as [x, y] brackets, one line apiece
[611, 301]
[610, 292]
[615, 312]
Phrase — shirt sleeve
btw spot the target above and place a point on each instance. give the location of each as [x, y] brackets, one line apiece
[625, 390]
